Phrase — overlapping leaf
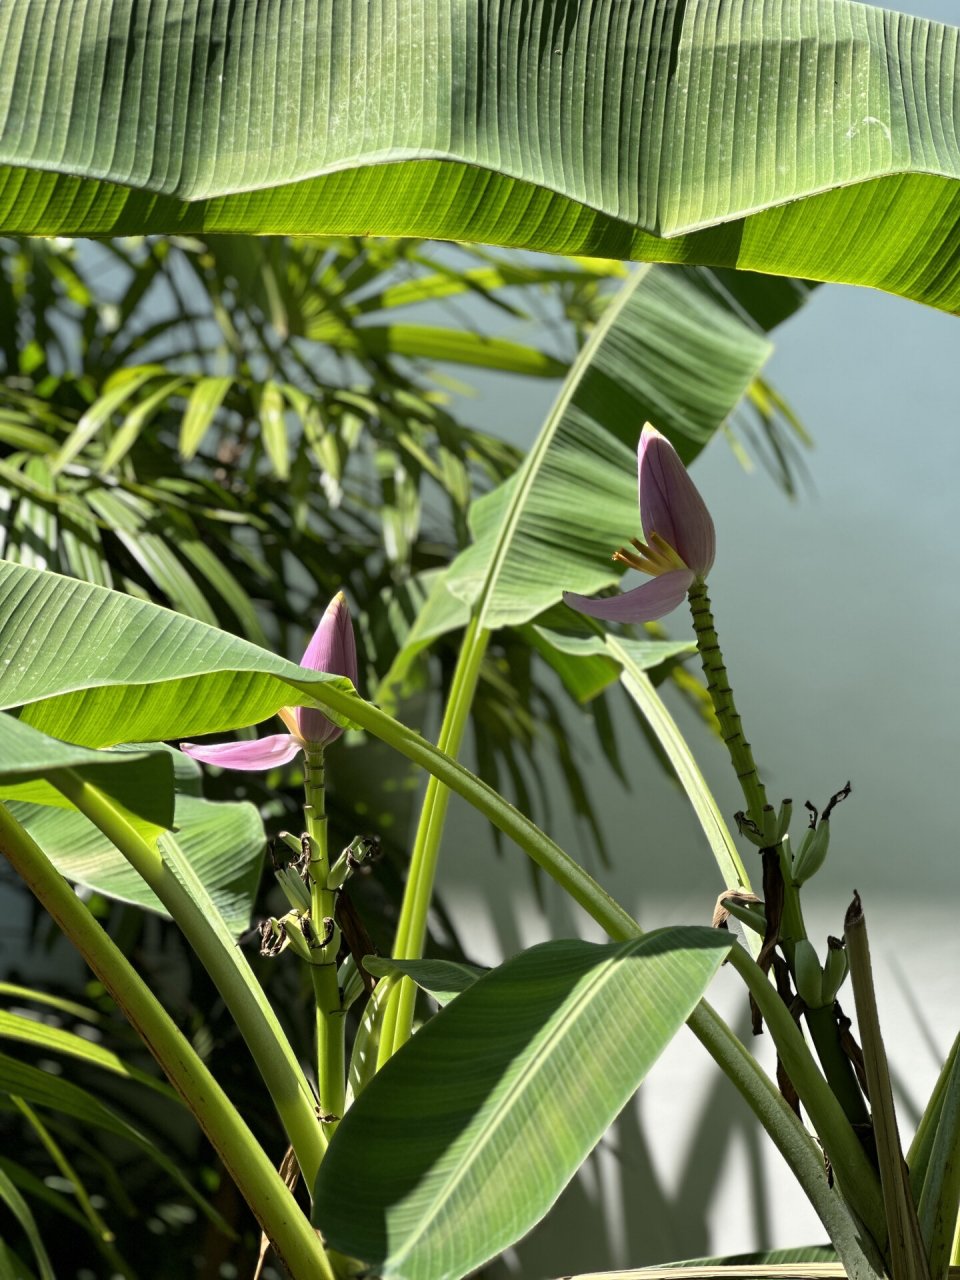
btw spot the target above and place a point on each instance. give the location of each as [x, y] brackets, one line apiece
[553, 525]
[809, 137]
[442, 979]
[96, 667]
[224, 843]
[461, 1143]
[141, 781]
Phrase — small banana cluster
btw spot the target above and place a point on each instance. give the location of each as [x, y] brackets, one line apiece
[817, 984]
[316, 944]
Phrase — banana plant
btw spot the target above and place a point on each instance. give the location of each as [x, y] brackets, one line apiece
[91, 668]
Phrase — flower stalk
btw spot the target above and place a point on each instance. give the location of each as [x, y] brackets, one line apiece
[331, 1016]
[731, 727]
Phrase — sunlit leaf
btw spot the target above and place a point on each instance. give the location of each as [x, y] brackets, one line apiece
[141, 781]
[554, 525]
[467, 1136]
[98, 667]
[814, 139]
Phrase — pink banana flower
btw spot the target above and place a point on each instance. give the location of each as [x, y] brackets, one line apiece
[679, 540]
[332, 649]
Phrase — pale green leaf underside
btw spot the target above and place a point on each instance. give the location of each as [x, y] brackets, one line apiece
[223, 842]
[96, 667]
[141, 781]
[808, 137]
[815, 1262]
[468, 1135]
[644, 654]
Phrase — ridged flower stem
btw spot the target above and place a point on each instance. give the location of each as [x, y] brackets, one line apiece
[331, 1017]
[821, 1022]
[721, 695]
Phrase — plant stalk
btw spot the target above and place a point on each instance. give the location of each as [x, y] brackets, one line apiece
[788, 1134]
[331, 1017]
[203, 928]
[285, 1225]
[855, 1174]
[412, 925]
[721, 695]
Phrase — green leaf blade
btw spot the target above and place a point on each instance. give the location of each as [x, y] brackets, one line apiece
[465, 1139]
[96, 667]
[141, 781]
[807, 137]
[223, 842]
[554, 525]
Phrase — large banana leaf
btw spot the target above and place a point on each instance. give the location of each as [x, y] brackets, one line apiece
[815, 1262]
[809, 137]
[222, 842]
[575, 501]
[665, 350]
[97, 667]
[468, 1135]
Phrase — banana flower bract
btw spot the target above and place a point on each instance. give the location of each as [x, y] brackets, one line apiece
[332, 649]
[679, 540]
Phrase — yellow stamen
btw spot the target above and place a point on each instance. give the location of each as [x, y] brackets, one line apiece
[633, 560]
[656, 558]
[671, 557]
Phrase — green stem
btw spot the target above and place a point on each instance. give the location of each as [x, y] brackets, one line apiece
[822, 1024]
[721, 695]
[412, 925]
[837, 1067]
[204, 929]
[244, 1159]
[331, 1060]
[861, 1258]
[855, 1174]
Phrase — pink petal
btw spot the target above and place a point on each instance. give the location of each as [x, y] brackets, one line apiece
[333, 649]
[646, 603]
[670, 504]
[264, 753]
